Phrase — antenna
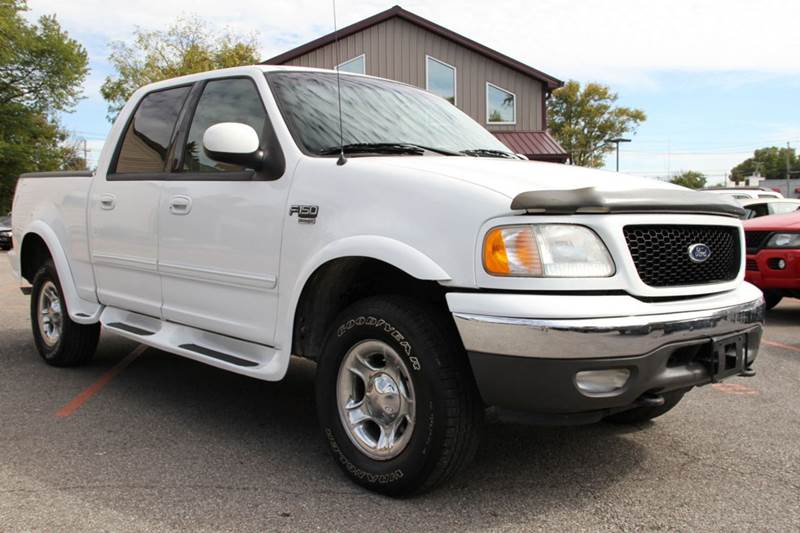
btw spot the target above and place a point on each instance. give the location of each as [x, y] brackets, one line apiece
[342, 160]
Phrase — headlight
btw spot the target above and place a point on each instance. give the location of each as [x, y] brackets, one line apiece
[546, 250]
[784, 240]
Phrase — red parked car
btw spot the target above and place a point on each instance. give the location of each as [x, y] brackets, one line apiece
[773, 256]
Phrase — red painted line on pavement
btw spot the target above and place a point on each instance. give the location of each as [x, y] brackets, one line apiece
[98, 385]
[781, 345]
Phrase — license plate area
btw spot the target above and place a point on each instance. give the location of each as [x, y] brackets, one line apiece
[728, 356]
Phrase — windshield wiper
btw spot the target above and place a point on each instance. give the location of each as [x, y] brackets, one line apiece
[386, 148]
[486, 152]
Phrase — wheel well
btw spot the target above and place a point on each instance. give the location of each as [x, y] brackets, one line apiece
[340, 282]
[33, 253]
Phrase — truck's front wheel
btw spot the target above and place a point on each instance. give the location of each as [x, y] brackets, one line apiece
[59, 340]
[395, 398]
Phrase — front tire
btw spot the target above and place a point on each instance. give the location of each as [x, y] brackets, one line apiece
[59, 340]
[397, 404]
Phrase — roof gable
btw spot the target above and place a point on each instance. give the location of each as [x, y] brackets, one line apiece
[397, 11]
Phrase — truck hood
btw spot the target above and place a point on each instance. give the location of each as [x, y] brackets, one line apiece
[561, 189]
[512, 177]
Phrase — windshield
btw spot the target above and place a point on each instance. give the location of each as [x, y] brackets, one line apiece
[373, 111]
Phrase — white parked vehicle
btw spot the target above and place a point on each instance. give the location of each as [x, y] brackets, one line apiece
[769, 206]
[430, 273]
[744, 193]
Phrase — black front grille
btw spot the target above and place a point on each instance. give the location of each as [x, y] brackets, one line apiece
[661, 254]
[754, 240]
[751, 265]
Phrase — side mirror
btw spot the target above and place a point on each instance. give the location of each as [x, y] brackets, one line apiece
[234, 143]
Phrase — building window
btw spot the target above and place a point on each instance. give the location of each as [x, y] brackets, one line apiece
[501, 105]
[440, 79]
[357, 65]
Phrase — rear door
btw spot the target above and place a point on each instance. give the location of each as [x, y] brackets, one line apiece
[220, 225]
[124, 206]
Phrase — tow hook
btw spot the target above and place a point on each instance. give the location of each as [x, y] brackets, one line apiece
[651, 400]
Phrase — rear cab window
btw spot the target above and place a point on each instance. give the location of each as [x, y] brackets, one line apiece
[779, 208]
[145, 145]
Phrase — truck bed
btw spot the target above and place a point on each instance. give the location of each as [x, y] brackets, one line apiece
[60, 200]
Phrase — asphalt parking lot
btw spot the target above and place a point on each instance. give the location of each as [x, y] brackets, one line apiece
[170, 444]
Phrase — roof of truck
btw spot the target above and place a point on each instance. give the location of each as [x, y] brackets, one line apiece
[239, 71]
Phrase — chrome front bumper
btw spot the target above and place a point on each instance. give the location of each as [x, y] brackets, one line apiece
[523, 362]
[633, 331]
[600, 337]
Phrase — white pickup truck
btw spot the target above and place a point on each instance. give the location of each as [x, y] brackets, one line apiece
[428, 271]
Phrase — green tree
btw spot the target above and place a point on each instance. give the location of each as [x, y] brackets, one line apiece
[769, 162]
[690, 178]
[41, 72]
[186, 47]
[582, 119]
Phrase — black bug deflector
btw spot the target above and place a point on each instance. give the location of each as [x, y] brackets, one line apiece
[590, 200]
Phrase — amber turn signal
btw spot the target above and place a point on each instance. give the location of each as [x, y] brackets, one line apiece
[511, 251]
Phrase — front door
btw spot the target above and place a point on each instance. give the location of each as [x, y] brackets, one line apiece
[124, 207]
[220, 226]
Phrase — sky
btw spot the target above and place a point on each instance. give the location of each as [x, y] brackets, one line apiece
[717, 78]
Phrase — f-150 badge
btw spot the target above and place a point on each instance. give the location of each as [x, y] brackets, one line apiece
[306, 214]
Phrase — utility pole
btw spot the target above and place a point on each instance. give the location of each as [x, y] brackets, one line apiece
[616, 141]
[788, 173]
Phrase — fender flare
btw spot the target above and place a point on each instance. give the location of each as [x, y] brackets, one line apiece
[390, 251]
[80, 310]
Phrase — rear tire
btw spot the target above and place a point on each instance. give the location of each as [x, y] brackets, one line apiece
[772, 298]
[408, 419]
[59, 340]
[643, 414]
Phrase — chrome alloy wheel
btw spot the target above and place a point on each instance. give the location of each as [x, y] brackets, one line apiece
[375, 397]
[51, 318]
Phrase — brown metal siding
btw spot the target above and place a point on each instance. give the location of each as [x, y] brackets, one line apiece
[396, 49]
[534, 144]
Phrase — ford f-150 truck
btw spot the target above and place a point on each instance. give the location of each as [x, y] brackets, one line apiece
[238, 218]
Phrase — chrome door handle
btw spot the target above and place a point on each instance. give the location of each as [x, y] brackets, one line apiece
[180, 205]
[108, 201]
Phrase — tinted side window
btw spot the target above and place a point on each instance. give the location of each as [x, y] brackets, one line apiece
[146, 142]
[232, 100]
[779, 208]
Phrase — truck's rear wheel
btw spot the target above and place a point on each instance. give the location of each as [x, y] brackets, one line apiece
[645, 413]
[395, 398]
[59, 340]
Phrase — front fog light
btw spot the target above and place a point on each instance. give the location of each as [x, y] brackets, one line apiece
[602, 381]
[776, 263]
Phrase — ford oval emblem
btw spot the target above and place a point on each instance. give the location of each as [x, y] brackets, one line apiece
[699, 253]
